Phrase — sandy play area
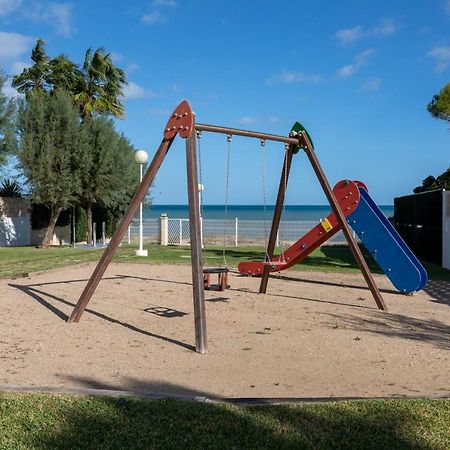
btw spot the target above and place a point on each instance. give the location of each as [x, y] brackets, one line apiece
[312, 335]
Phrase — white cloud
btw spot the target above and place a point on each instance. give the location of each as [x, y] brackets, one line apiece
[249, 120]
[156, 16]
[57, 14]
[362, 57]
[387, 27]
[9, 91]
[116, 57]
[134, 91]
[13, 46]
[360, 60]
[18, 66]
[153, 18]
[349, 35]
[169, 3]
[62, 14]
[347, 71]
[159, 112]
[447, 7]
[292, 77]
[370, 85]
[131, 67]
[441, 55]
[8, 6]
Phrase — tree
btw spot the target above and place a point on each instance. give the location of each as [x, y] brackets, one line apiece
[64, 74]
[107, 167]
[48, 152]
[430, 183]
[96, 87]
[102, 84]
[439, 106]
[7, 112]
[35, 77]
[10, 188]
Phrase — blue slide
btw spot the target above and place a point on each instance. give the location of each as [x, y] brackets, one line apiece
[386, 246]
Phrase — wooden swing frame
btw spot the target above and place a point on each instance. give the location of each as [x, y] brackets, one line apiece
[182, 122]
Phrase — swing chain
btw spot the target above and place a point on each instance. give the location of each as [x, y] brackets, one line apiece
[227, 182]
[200, 179]
[263, 164]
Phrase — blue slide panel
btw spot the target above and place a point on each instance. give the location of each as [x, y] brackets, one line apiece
[387, 252]
[397, 237]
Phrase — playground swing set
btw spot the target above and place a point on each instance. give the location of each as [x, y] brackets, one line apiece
[349, 200]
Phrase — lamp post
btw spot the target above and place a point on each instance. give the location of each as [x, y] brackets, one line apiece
[201, 188]
[141, 157]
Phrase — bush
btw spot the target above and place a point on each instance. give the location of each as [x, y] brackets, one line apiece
[80, 224]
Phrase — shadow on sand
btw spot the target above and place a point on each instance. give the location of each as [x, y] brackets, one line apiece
[47, 300]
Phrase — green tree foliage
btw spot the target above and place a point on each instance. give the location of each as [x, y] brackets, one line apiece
[35, 77]
[442, 181]
[108, 172]
[101, 87]
[49, 152]
[7, 113]
[96, 86]
[10, 188]
[439, 106]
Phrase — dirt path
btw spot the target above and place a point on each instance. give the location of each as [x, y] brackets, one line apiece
[312, 335]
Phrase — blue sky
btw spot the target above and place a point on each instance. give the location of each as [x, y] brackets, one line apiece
[357, 74]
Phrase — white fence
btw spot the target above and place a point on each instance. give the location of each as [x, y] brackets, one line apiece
[233, 232]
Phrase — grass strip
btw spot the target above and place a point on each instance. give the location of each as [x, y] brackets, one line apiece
[19, 261]
[52, 421]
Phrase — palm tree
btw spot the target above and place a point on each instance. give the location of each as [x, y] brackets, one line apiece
[34, 78]
[101, 87]
[64, 74]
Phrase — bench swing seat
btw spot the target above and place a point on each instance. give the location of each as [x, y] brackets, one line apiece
[222, 278]
[275, 264]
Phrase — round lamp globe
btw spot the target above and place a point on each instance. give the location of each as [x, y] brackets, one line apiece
[141, 156]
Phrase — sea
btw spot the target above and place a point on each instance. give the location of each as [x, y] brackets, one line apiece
[250, 212]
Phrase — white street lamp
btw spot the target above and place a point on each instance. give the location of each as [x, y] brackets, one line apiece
[141, 157]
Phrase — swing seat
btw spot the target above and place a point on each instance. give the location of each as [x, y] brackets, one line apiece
[275, 264]
[222, 275]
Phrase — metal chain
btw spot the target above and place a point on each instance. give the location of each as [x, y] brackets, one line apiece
[227, 183]
[200, 177]
[263, 172]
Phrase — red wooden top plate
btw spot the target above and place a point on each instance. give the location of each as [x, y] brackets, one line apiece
[181, 121]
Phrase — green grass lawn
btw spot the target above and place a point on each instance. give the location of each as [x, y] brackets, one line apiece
[19, 261]
[48, 421]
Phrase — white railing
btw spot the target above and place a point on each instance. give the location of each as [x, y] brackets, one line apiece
[232, 232]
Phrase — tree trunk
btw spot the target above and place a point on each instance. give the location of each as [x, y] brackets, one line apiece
[47, 239]
[89, 223]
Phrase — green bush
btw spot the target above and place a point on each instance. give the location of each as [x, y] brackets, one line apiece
[80, 224]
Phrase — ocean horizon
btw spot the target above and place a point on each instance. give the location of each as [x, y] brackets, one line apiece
[250, 212]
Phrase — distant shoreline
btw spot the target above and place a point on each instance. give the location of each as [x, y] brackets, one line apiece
[250, 212]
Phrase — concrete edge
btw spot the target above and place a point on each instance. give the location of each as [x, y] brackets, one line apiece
[245, 401]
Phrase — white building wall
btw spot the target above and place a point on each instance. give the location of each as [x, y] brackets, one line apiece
[15, 224]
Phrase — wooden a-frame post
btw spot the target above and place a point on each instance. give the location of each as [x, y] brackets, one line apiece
[181, 122]
[305, 143]
[277, 216]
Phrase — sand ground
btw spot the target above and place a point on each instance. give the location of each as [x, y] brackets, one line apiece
[312, 335]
